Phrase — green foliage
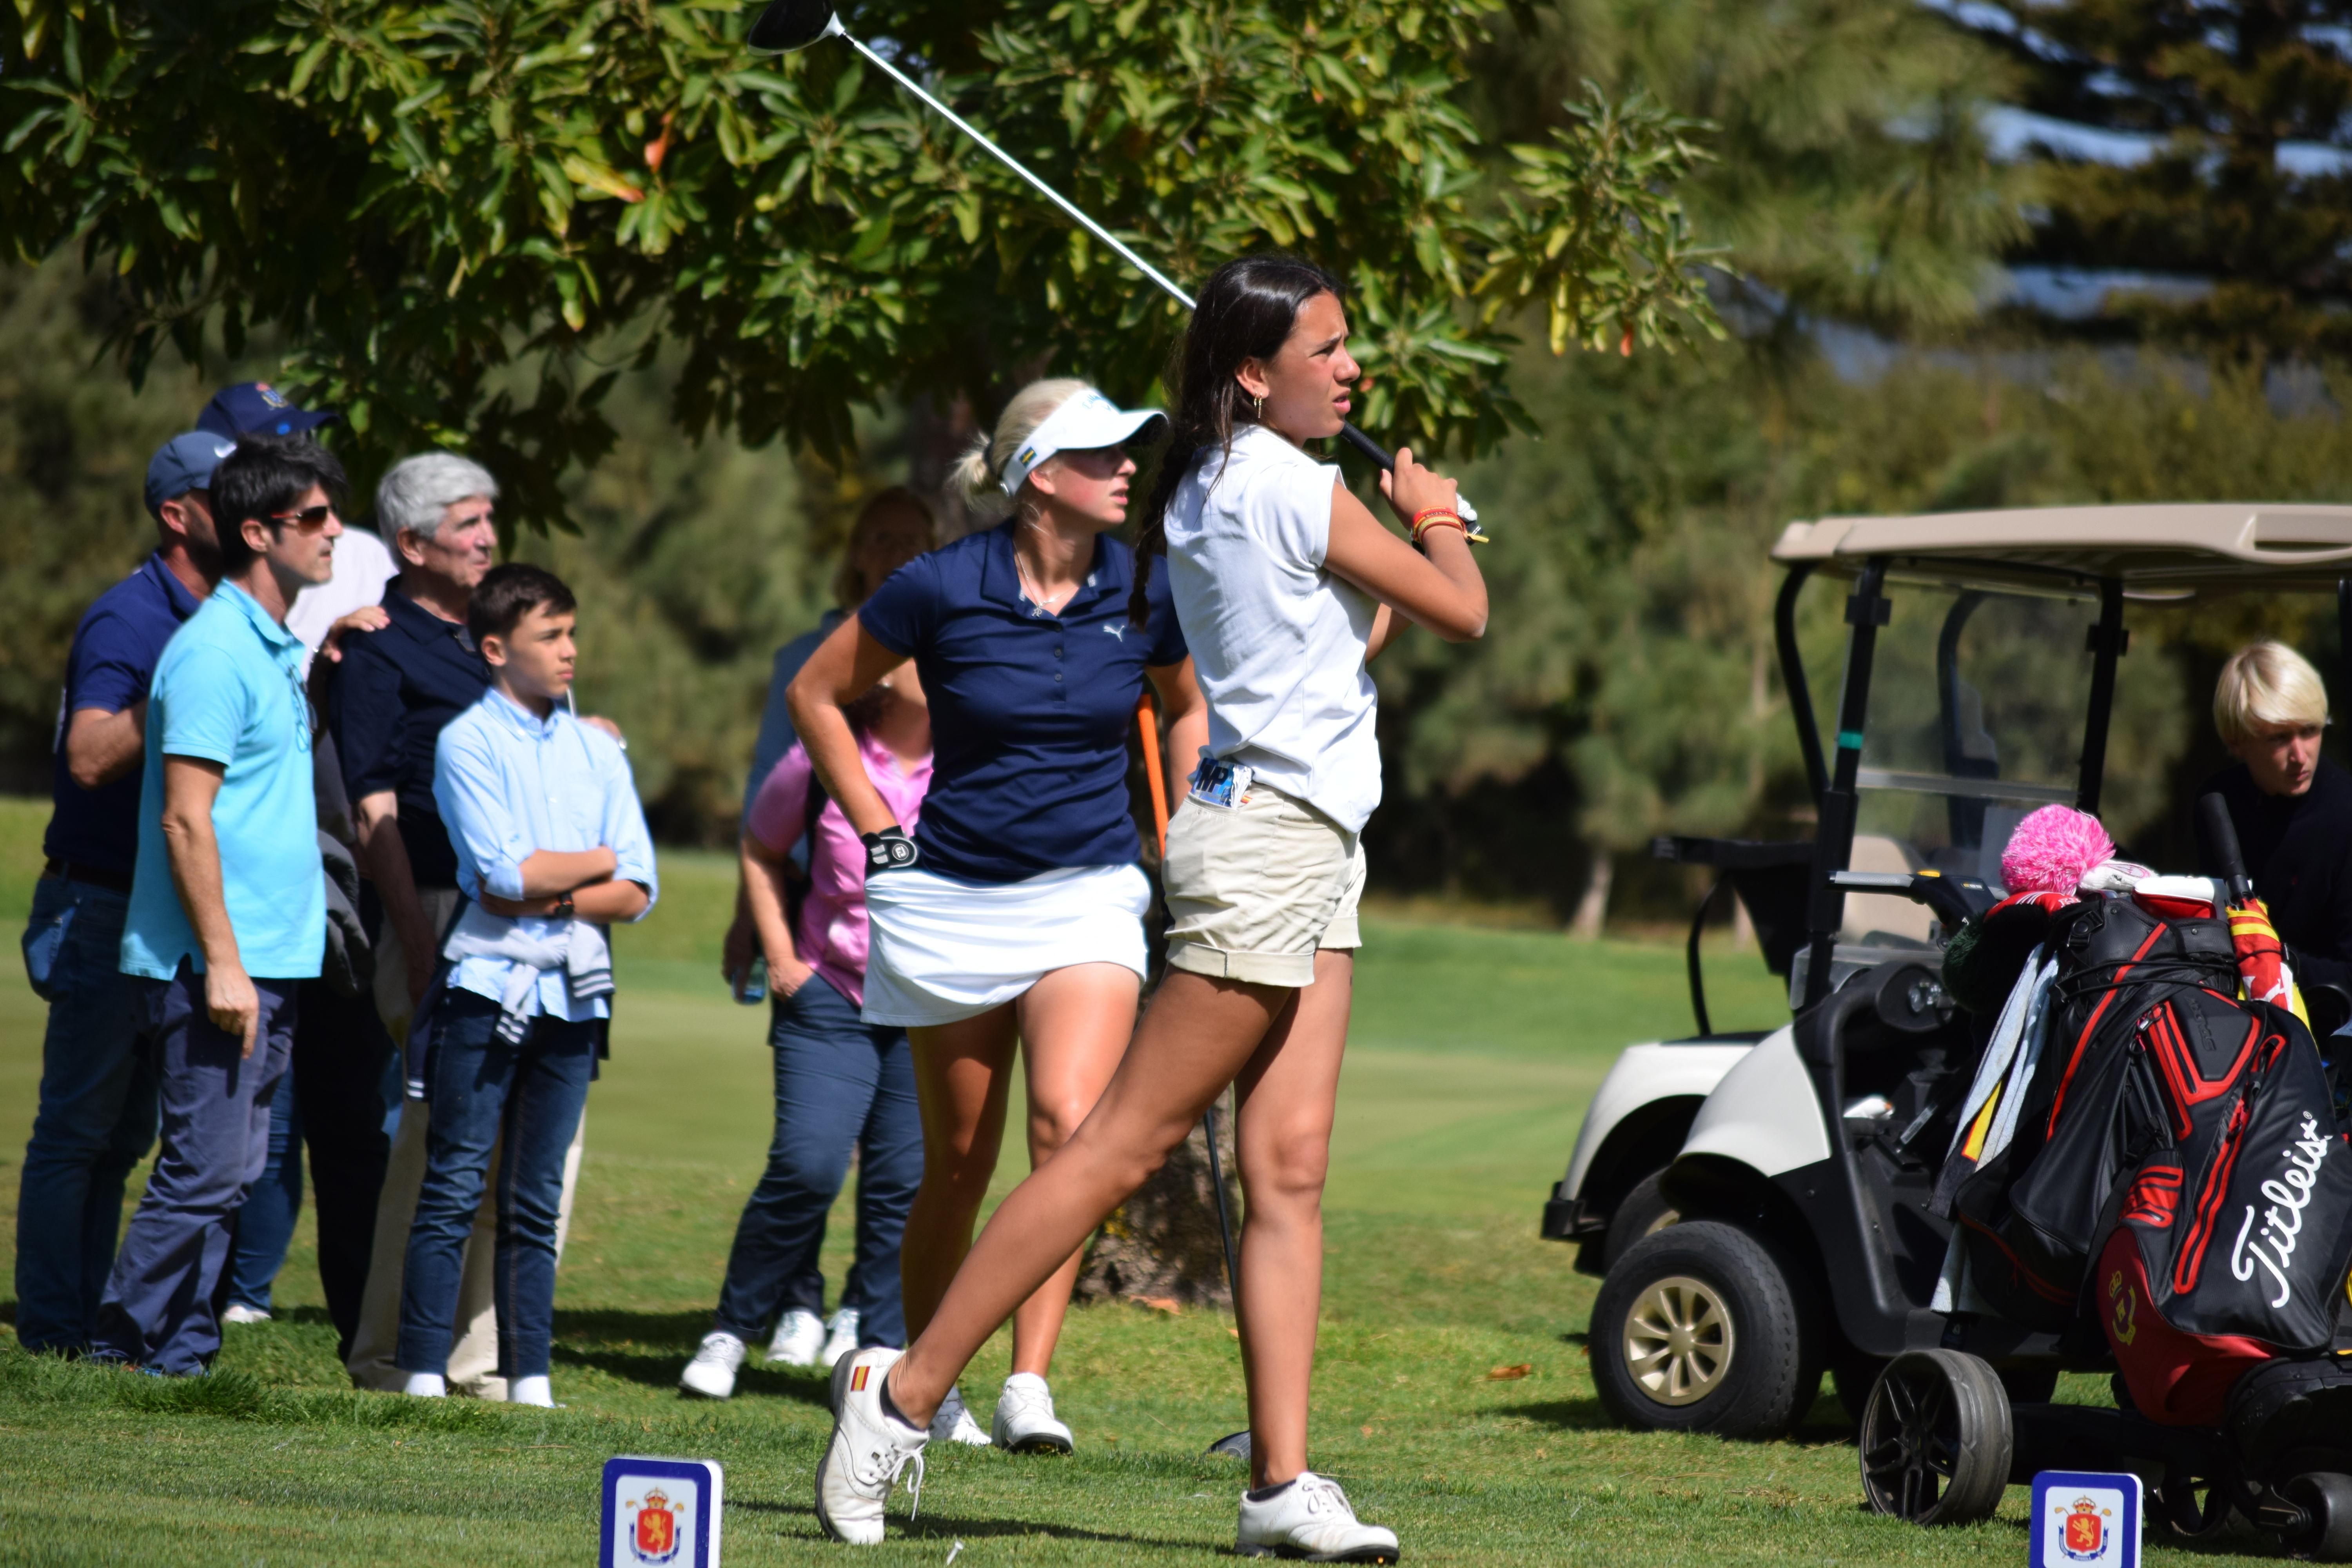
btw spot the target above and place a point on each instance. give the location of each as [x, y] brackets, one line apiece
[2220, 91]
[73, 456]
[1849, 173]
[424, 193]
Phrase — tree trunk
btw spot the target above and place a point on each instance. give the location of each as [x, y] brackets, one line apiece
[1593, 910]
[1162, 1244]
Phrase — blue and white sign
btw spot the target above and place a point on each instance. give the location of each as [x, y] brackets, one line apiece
[660, 1513]
[2084, 1519]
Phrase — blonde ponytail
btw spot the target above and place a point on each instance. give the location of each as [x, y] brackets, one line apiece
[980, 472]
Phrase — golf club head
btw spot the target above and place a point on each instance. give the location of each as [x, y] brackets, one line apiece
[1232, 1445]
[789, 25]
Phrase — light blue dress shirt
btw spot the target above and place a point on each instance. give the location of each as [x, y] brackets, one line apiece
[509, 784]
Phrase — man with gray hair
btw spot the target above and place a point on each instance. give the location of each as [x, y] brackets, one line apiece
[387, 701]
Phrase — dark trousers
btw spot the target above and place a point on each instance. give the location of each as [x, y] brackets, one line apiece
[97, 1114]
[265, 1226]
[482, 1088]
[841, 1083]
[341, 1051]
[159, 1309]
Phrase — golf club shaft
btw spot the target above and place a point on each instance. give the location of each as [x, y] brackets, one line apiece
[1355, 437]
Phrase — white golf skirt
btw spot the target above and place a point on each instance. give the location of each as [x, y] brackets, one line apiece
[943, 951]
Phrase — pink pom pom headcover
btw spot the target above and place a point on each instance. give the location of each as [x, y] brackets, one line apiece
[2053, 849]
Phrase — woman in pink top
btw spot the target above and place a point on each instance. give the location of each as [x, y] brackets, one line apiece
[841, 1083]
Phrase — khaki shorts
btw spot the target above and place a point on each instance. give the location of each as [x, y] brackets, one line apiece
[1254, 888]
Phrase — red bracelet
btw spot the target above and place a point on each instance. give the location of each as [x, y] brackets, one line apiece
[1436, 517]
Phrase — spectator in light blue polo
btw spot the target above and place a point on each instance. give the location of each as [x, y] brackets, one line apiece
[228, 902]
[96, 1113]
[552, 849]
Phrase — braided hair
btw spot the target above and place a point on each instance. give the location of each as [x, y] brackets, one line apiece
[1246, 310]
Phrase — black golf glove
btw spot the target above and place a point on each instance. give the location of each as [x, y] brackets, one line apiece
[889, 850]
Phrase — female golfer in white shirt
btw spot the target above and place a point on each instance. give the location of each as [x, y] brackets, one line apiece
[1284, 587]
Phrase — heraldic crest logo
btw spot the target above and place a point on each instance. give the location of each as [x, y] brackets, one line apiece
[660, 1513]
[2086, 1520]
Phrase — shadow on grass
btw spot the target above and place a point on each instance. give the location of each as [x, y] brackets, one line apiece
[940, 1526]
[1565, 1414]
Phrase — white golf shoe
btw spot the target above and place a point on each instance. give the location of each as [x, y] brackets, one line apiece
[840, 1337]
[800, 1335]
[711, 1372]
[239, 1312]
[1310, 1519]
[1025, 1422]
[867, 1452]
[954, 1424]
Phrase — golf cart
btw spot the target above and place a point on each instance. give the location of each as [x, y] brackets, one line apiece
[1758, 1204]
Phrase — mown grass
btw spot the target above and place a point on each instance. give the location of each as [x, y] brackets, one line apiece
[1473, 1056]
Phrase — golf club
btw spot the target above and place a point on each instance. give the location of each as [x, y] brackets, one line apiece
[790, 24]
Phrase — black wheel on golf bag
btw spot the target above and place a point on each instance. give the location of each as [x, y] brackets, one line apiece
[1641, 1212]
[2325, 1501]
[1697, 1329]
[1936, 1438]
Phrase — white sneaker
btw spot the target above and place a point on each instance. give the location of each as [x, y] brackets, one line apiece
[239, 1312]
[1310, 1518]
[799, 1336]
[954, 1424]
[711, 1372]
[536, 1391]
[1024, 1423]
[842, 1338]
[866, 1453]
[426, 1386]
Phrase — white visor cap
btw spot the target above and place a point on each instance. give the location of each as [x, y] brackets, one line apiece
[1088, 422]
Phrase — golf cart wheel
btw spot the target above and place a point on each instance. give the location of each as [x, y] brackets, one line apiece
[2325, 1501]
[1936, 1438]
[1695, 1330]
[1643, 1212]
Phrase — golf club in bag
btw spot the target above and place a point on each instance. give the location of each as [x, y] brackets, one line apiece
[789, 25]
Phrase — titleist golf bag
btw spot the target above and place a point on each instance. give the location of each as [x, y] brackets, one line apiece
[2184, 1139]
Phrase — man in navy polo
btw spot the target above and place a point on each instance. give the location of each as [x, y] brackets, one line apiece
[96, 1113]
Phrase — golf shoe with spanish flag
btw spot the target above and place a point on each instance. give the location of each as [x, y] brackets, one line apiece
[868, 1450]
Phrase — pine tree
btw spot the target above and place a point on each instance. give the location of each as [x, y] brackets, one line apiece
[2247, 181]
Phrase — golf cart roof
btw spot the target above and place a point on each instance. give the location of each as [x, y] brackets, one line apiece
[2175, 551]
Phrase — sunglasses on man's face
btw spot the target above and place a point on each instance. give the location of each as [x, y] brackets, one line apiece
[309, 520]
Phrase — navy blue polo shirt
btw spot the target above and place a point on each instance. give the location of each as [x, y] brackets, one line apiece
[109, 668]
[1030, 712]
[388, 701]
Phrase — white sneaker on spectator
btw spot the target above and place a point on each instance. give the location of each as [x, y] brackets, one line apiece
[1310, 1518]
[954, 1424]
[711, 1372]
[842, 1337]
[536, 1391]
[1025, 1422]
[239, 1312]
[799, 1336]
[868, 1450]
[426, 1386]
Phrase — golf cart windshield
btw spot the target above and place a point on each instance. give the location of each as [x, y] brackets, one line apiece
[1976, 717]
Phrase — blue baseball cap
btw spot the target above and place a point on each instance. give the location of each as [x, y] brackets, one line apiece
[255, 405]
[182, 464]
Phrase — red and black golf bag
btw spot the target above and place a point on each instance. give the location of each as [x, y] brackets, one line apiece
[2177, 1150]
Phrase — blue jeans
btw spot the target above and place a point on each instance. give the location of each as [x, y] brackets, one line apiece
[481, 1087]
[265, 1226]
[96, 1121]
[158, 1303]
[840, 1083]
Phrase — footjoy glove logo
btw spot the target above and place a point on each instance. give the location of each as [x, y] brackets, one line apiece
[2290, 1194]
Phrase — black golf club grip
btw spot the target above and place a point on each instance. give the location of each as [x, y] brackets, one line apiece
[1387, 459]
[2222, 837]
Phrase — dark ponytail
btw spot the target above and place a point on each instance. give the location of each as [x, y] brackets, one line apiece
[1246, 310]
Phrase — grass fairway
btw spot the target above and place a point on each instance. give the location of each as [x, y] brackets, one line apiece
[1471, 1057]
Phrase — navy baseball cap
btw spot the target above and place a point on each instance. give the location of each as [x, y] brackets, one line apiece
[182, 464]
[255, 405]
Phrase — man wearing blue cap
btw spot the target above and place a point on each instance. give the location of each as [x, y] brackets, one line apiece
[97, 1115]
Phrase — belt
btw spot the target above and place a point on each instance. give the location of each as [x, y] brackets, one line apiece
[96, 875]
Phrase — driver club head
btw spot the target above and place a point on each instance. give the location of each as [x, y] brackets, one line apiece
[788, 24]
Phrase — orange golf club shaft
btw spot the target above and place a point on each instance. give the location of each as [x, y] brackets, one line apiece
[1147, 723]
